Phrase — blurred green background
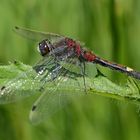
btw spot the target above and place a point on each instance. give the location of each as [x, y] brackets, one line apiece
[109, 27]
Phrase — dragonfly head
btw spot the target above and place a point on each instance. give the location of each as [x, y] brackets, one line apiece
[44, 47]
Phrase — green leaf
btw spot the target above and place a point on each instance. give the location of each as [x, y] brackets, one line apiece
[17, 81]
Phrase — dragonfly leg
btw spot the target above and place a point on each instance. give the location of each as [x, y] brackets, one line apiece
[83, 68]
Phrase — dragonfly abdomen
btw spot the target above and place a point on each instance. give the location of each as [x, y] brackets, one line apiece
[118, 67]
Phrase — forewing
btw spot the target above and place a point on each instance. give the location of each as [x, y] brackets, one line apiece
[36, 35]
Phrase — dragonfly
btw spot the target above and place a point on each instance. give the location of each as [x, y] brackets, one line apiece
[63, 58]
[65, 48]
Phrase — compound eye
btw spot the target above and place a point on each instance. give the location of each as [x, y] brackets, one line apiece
[44, 47]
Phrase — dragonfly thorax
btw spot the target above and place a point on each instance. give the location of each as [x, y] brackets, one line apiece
[80, 52]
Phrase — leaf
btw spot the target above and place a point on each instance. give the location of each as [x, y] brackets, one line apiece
[17, 82]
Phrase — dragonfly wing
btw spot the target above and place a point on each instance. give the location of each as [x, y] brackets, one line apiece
[52, 100]
[36, 35]
[46, 106]
[47, 62]
[58, 93]
[72, 64]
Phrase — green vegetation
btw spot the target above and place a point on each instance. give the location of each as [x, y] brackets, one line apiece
[109, 28]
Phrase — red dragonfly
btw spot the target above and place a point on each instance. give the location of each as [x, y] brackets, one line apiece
[63, 48]
[61, 57]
